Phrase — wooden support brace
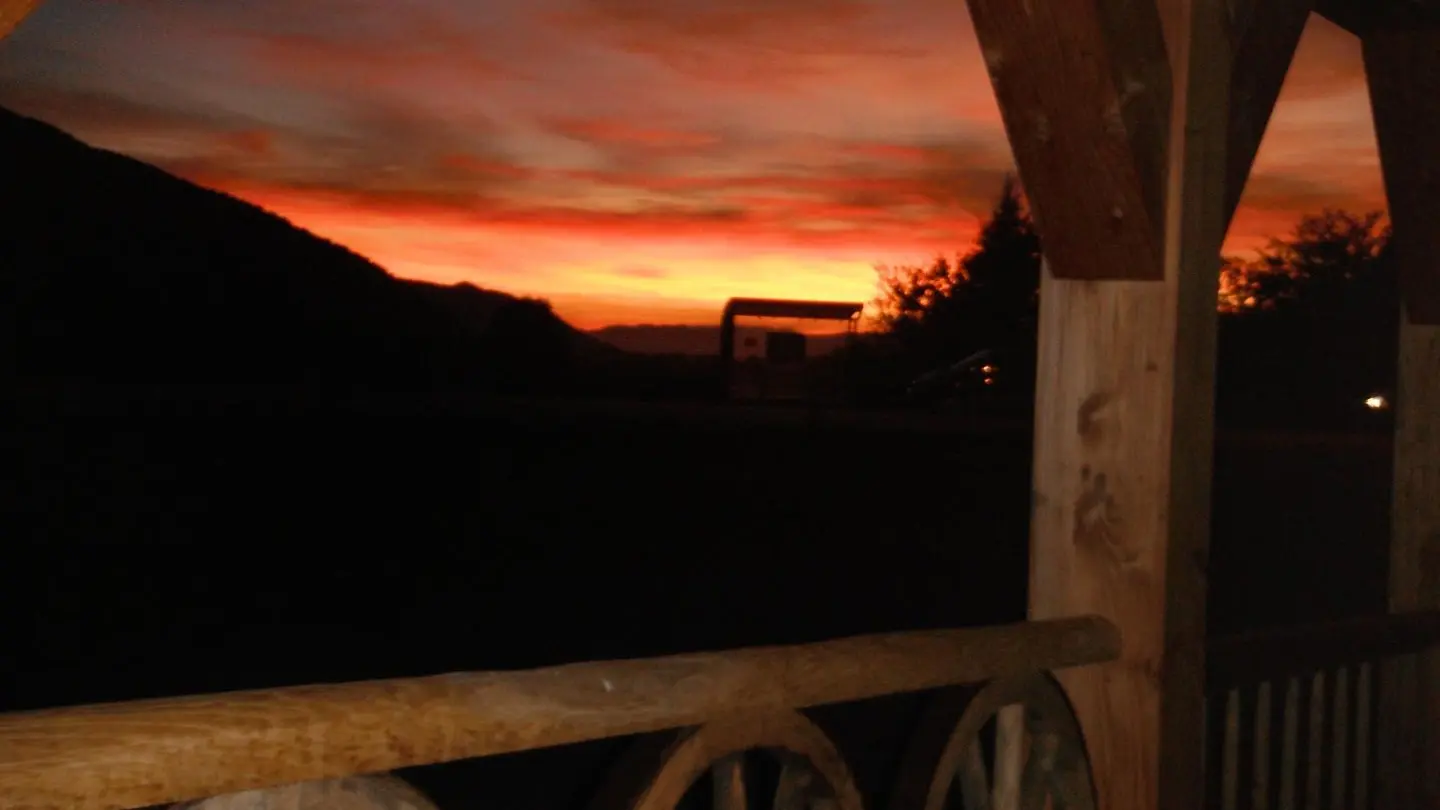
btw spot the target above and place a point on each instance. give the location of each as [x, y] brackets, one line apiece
[1264, 35]
[1360, 17]
[12, 12]
[1403, 70]
[1124, 412]
[1402, 67]
[1084, 92]
[1112, 54]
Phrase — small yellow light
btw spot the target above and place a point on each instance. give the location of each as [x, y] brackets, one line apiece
[1377, 402]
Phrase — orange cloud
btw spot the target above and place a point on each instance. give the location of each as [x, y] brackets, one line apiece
[389, 61]
[779, 46]
[256, 142]
[892, 152]
[642, 272]
[629, 153]
[475, 166]
[627, 133]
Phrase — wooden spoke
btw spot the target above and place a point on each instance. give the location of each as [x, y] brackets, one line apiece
[728, 776]
[1037, 781]
[659, 770]
[1038, 755]
[793, 790]
[975, 779]
[1009, 756]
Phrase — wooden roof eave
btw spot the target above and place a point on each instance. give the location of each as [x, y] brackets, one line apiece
[1360, 16]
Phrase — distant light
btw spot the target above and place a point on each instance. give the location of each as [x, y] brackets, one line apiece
[988, 369]
[989, 380]
[1377, 402]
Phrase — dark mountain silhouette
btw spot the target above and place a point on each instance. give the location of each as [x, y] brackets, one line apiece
[696, 340]
[114, 270]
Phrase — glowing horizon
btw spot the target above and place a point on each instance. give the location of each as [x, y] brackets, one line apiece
[632, 161]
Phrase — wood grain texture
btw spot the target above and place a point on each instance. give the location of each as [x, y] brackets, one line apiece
[150, 752]
[1084, 92]
[13, 12]
[1123, 451]
[1415, 542]
[374, 792]
[1402, 67]
[1408, 725]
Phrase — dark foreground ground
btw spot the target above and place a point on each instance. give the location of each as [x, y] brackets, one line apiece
[220, 542]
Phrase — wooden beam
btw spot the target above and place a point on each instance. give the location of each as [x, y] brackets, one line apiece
[1360, 17]
[12, 12]
[1414, 691]
[1415, 542]
[1124, 427]
[1409, 723]
[1402, 67]
[176, 749]
[1250, 658]
[1265, 34]
[1084, 92]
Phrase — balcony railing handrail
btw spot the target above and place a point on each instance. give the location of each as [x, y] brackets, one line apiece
[140, 753]
[1261, 655]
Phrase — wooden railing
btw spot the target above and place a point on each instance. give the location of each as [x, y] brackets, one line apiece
[716, 706]
[1293, 713]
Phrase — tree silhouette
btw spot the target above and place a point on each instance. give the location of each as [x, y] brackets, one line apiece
[1334, 264]
[1307, 327]
[945, 310]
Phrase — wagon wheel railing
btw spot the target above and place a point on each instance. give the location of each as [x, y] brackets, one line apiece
[702, 719]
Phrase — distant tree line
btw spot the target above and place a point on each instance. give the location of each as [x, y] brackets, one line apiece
[1307, 325]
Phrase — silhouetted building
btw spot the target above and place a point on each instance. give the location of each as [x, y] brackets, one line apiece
[784, 372]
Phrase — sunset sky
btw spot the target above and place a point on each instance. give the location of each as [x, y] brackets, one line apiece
[633, 161]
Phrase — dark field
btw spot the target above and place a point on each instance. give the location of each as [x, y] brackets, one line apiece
[231, 542]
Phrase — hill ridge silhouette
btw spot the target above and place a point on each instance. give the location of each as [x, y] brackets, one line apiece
[696, 339]
[115, 269]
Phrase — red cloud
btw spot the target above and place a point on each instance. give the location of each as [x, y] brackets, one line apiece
[1285, 193]
[783, 26]
[611, 131]
[385, 134]
[485, 167]
[253, 142]
[766, 45]
[391, 62]
[1326, 64]
[893, 152]
[807, 224]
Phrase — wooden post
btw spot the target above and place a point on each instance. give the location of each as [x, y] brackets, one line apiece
[1151, 157]
[1123, 451]
[1403, 70]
